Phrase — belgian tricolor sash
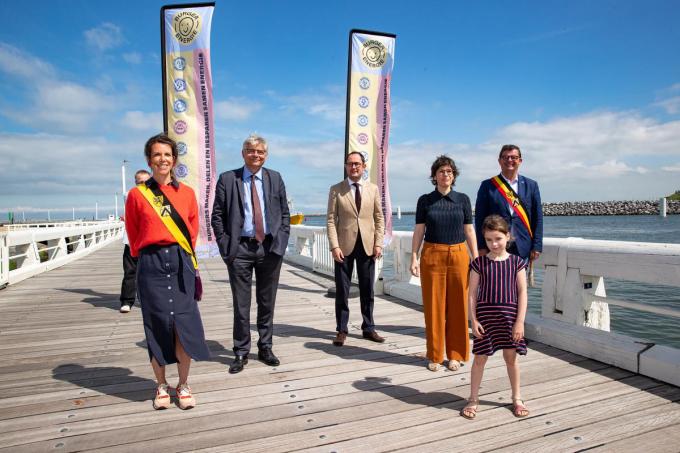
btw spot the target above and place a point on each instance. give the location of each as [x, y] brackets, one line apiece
[513, 199]
[170, 217]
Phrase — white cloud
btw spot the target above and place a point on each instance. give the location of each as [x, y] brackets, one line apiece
[132, 57]
[328, 103]
[672, 168]
[42, 165]
[237, 109]
[596, 156]
[15, 62]
[52, 103]
[313, 154]
[670, 105]
[104, 37]
[142, 121]
[62, 106]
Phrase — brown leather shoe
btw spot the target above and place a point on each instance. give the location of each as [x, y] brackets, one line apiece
[373, 336]
[340, 339]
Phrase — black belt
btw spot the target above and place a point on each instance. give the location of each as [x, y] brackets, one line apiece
[252, 240]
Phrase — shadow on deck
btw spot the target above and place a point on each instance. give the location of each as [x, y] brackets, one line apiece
[76, 377]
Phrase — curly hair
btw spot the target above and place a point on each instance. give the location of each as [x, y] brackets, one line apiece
[443, 161]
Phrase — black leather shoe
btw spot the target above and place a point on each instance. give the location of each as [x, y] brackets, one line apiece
[266, 356]
[373, 336]
[237, 365]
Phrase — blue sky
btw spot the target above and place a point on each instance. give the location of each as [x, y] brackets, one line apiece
[589, 90]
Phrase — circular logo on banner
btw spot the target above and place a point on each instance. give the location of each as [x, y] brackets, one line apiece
[364, 83]
[186, 25]
[365, 175]
[179, 63]
[362, 120]
[182, 148]
[180, 85]
[181, 171]
[180, 127]
[373, 53]
[179, 106]
[363, 102]
[362, 138]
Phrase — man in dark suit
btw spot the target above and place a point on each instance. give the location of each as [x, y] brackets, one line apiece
[517, 199]
[251, 222]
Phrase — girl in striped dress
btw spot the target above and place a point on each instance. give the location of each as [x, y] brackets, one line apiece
[498, 305]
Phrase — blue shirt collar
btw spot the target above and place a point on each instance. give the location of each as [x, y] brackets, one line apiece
[247, 173]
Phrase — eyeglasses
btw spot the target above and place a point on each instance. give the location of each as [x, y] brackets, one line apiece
[259, 152]
[512, 158]
[354, 164]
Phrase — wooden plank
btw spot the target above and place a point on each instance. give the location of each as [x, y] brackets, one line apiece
[660, 440]
[78, 378]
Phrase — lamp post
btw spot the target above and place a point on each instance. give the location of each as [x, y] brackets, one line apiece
[122, 174]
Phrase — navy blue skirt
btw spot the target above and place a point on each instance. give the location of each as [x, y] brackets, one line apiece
[165, 287]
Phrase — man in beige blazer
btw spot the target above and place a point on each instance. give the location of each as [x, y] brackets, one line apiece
[355, 233]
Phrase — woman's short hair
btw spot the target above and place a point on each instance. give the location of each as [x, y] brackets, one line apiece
[160, 138]
[254, 140]
[443, 161]
[495, 222]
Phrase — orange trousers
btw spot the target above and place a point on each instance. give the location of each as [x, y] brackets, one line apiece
[444, 278]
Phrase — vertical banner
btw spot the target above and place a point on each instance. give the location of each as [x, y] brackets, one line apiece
[188, 106]
[367, 127]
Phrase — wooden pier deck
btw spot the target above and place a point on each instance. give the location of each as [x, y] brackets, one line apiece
[75, 376]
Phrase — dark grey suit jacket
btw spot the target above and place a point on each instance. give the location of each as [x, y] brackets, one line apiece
[227, 214]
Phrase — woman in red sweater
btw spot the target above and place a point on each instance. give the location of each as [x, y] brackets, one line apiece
[165, 272]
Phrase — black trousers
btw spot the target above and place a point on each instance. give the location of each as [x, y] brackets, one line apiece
[128, 287]
[343, 277]
[251, 257]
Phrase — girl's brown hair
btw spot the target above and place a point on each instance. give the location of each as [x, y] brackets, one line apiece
[495, 223]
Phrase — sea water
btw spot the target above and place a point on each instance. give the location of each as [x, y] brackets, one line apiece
[646, 326]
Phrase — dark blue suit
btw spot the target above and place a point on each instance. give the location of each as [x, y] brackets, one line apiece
[490, 201]
[244, 255]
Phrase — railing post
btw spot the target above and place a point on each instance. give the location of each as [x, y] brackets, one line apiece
[4, 261]
[596, 313]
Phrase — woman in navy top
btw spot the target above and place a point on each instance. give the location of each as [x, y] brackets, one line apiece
[444, 220]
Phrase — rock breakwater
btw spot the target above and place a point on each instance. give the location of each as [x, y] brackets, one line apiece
[573, 208]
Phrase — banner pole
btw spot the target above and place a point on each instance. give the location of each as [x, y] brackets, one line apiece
[349, 82]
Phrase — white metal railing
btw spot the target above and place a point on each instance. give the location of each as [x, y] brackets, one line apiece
[574, 304]
[309, 247]
[59, 243]
[65, 224]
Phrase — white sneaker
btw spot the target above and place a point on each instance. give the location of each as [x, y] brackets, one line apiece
[185, 399]
[125, 308]
[162, 399]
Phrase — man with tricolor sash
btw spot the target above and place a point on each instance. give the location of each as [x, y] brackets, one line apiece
[517, 199]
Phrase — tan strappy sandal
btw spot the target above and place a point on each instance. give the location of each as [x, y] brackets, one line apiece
[519, 409]
[434, 366]
[453, 365]
[470, 409]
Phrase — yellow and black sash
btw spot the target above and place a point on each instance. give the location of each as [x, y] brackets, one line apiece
[513, 199]
[170, 217]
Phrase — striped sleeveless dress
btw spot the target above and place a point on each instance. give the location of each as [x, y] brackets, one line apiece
[497, 304]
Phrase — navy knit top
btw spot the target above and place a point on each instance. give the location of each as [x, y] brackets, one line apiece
[444, 216]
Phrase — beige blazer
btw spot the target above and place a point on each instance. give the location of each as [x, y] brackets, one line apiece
[343, 222]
